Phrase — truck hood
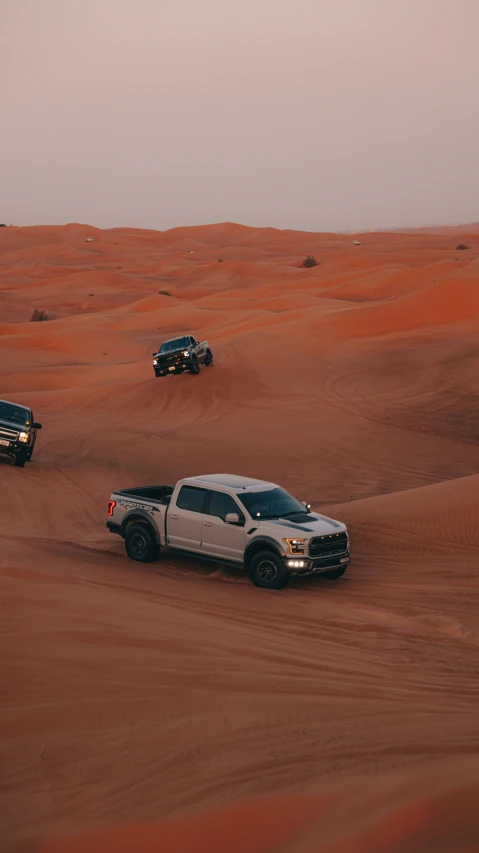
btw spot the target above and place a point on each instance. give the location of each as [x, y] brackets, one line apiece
[314, 525]
[13, 425]
[171, 352]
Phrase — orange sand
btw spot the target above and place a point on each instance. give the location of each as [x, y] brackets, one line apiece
[176, 698]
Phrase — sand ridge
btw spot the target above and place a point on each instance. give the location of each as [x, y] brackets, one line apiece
[175, 695]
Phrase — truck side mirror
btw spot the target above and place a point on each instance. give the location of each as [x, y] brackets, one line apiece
[232, 518]
[36, 426]
[306, 506]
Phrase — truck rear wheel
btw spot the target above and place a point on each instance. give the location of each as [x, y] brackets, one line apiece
[140, 544]
[208, 358]
[267, 571]
[195, 367]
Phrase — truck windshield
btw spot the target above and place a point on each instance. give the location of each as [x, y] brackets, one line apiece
[272, 503]
[177, 343]
[10, 412]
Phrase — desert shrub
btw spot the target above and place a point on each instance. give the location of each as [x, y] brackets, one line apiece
[462, 246]
[38, 316]
[221, 260]
[309, 261]
[164, 293]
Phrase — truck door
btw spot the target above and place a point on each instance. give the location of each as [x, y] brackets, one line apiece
[218, 538]
[184, 518]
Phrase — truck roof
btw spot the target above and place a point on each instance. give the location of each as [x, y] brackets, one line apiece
[231, 481]
[17, 405]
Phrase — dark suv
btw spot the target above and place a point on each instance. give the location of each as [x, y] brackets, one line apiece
[18, 432]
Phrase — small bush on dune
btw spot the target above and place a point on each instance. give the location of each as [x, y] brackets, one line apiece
[462, 246]
[38, 316]
[164, 293]
[221, 260]
[309, 261]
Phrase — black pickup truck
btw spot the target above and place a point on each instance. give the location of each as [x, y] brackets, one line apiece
[180, 355]
[18, 432]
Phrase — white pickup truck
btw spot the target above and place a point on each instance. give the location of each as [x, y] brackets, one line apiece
[231, 519]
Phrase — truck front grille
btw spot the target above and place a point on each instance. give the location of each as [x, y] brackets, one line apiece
[328, 545]
[170, 360]
[11, 434]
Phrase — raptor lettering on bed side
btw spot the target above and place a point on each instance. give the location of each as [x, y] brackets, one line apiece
[134, 505]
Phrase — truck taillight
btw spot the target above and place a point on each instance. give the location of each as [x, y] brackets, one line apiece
[111, 507]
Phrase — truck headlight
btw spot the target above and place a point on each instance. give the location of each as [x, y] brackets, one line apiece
[296, 546]
[155, 361]
[24, 436]
[186, 352]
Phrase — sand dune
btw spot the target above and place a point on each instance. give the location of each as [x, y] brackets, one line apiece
[175, 704]
[345, 819]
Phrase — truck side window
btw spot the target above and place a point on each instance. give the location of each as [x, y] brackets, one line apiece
[221, 504]
[191, 499]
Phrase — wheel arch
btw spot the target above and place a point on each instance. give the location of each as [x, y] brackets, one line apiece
[139, 516]
[262, 543]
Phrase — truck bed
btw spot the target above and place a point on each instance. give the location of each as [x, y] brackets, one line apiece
[160, 494]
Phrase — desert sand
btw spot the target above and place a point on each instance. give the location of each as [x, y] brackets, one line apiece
[175, 706]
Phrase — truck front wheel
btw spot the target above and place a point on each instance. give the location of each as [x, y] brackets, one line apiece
[140, 544]
[267, 570]
[195, 367]
[20, 459]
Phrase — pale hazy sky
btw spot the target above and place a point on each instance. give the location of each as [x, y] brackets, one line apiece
[315, 114]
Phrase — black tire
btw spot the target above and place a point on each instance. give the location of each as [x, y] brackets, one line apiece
[140, 544]
[208, 358]
[20, 459]
[334, 574]
[268, 571]
[195, 367]
[30, 452]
